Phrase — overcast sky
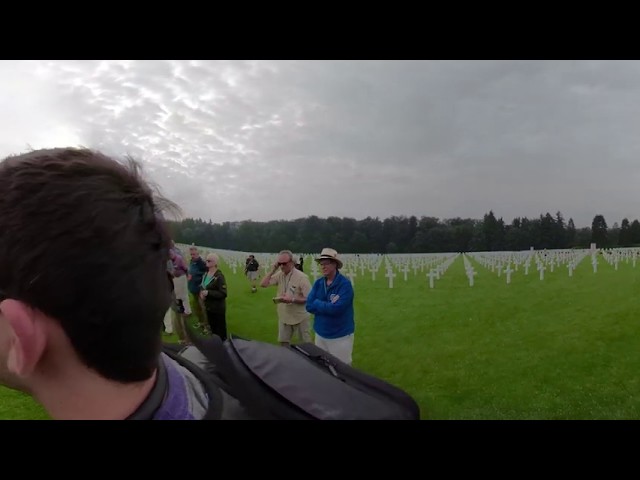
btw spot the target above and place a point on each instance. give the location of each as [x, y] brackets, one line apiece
[267, 140]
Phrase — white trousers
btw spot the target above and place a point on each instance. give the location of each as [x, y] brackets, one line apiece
[342, 347]
[181, 289]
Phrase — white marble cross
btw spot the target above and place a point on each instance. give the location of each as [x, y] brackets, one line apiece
[431, 275]
[314, 271]
[373, 274]
[390, 276]
[470, 274]
[508, 271]
[405, 270]
[541, 268]
[351, 275]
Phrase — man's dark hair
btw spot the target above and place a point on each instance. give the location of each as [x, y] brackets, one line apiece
[83, 240]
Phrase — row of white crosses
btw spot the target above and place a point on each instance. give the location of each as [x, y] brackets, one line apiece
[354, 262]
[499, 262]
[440, 269]
[435, 263]
[614, 256]
[545, 260]
[391, 265]
[469, 270]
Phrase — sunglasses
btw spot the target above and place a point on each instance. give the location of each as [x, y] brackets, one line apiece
[282, 263]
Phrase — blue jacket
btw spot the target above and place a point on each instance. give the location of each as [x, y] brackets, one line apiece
[332, 319]
[197, 269]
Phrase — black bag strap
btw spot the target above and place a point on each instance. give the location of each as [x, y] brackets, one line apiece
[214, 409]
[212, 347]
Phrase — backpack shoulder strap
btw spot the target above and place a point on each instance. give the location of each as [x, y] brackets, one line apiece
[214, 409]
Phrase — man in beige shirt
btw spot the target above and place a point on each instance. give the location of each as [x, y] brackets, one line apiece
[293, 288]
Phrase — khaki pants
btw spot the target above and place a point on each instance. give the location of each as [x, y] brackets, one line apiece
[178, 325]
[286, 332]
[197, 307]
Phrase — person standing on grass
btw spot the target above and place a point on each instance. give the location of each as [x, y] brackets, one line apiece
[182, 308]
[197, 269]
[213, 292]
[293, 287]
[251, 271]
[331, 303]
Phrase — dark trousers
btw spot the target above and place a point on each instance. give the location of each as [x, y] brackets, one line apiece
[218, 322]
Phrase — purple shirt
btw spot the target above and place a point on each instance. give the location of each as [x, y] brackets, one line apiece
[176, 402]
[179, 267]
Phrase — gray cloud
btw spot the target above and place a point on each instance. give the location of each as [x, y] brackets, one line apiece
[233, 140]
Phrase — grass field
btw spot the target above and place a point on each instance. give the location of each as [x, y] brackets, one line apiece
[561, 348]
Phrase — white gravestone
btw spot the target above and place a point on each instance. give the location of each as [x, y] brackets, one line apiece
[470, 275]
[508, 271]
[314, 271]
[351, 275]
[390, 276]
[431, 275]
[405, 270]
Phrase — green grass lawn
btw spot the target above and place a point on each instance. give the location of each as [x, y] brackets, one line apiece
[561, 348]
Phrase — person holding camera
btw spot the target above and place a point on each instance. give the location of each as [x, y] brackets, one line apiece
[293, 288]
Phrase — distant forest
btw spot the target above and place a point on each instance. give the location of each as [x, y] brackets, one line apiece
[401, 234]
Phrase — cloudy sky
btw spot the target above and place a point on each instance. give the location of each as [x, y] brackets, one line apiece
[266, 140]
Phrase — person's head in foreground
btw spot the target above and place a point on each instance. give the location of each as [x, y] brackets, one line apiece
[83, 288]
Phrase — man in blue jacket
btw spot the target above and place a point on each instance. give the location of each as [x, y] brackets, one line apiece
[197, 269]
[331, 302]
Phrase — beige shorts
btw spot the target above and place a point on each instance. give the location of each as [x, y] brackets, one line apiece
[286, 332]
[252, 275]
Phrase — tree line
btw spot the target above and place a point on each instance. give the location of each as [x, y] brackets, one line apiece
[402, 234]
